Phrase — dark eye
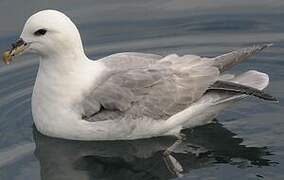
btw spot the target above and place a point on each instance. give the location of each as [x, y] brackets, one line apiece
[40, 32]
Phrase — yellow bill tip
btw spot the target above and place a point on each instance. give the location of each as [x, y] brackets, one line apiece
[7, 57]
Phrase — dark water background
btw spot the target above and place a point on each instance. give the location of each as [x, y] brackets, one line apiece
[246, 142]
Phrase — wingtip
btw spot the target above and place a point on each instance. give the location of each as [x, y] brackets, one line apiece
[268, 97]
[263, 46]
[275, 100]
[228, 60]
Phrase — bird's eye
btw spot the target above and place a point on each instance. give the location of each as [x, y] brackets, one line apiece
[40, 32]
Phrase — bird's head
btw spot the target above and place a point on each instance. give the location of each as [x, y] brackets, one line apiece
[47, 33]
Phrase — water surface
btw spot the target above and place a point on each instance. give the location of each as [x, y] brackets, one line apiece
[246, 142]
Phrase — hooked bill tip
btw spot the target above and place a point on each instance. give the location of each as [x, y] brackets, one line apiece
[7, 58]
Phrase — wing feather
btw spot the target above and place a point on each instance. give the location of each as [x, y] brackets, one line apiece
[156, 90]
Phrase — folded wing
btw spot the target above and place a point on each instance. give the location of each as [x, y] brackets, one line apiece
[146, 85]
[157, 90]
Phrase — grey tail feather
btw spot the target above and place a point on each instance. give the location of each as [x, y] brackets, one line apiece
[240, 89]
[226, 61]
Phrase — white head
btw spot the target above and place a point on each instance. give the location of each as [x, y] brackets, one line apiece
[50, 33]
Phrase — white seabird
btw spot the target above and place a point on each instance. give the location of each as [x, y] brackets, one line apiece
[126, 95]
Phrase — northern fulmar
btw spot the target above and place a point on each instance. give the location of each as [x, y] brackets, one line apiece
[126, 95]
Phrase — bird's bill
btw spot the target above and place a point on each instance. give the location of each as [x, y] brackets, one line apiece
[17, 48]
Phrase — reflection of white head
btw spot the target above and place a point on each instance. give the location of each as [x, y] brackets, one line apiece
[50, 32]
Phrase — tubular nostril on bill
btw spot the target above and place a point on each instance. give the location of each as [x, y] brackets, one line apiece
[19, 43]
[14, 45]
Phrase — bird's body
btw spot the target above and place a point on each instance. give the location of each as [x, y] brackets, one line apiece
[124, 96]
[127, 95]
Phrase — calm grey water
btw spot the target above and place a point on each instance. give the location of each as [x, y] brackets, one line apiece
[245, 142]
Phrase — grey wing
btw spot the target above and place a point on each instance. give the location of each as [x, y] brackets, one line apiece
[130, 60]
[228, 60]
[157, 90]
[149, 85]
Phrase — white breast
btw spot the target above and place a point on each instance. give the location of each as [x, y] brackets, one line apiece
[56, 93]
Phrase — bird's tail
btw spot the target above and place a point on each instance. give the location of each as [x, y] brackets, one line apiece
[254, 79]
[226, 61]
[214, 102]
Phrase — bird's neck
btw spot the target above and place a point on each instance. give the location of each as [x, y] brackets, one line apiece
[74, 75]
[60, 86]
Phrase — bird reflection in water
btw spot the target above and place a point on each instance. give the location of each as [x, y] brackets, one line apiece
[144, 159]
